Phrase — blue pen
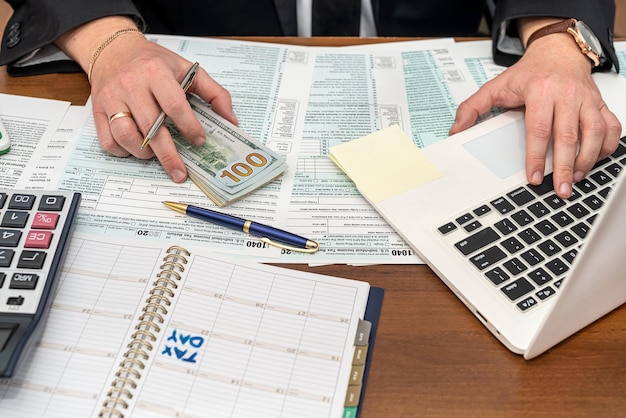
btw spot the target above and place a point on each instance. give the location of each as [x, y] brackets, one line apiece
[270, 235]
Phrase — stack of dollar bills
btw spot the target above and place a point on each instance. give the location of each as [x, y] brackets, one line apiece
[230, 164]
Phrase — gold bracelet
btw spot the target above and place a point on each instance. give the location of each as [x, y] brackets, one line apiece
[105, 44]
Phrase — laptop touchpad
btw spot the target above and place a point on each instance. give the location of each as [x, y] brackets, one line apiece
[503, 150]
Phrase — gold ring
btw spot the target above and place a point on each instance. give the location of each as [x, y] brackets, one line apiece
[120, 115]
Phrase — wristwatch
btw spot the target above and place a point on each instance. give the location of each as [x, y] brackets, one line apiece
[583, 35]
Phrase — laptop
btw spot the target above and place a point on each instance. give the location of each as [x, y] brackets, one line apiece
[533, 268]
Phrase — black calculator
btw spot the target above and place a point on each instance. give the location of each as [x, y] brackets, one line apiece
[35, 227]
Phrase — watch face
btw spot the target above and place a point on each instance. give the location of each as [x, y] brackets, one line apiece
[587, 34]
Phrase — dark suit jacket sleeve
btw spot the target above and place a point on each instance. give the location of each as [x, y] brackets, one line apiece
[599, 15]
[37, 23]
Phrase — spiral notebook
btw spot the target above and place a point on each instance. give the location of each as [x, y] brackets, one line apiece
[137, 330]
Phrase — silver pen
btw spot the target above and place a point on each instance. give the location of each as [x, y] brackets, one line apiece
[157, 123]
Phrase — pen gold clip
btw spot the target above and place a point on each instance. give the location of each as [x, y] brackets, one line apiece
[313, 246]
[185, 84]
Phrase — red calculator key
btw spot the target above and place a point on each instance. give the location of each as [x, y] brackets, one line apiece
[38, 239]
[45, 220]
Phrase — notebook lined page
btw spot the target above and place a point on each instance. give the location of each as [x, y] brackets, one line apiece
[246, 341]
[99, 291]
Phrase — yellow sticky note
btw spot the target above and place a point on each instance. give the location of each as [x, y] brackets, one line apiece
[384, 164]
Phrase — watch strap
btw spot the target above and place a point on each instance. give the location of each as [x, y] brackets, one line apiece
[569, 26]
[557, 27]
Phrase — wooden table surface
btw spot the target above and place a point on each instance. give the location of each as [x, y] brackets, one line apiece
[432, 357]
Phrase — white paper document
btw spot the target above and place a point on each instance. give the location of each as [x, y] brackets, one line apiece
[31, 124]
[299, 101]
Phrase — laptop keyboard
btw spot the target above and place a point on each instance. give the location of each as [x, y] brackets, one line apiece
[524, 241]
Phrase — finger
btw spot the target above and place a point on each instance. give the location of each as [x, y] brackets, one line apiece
[538, 133]
[172, 100]
[126, 135]
[494, 93]
[592, 141]
[613, 132]
[566, 144]
[212, 92]
[105, 137]
[165, 151]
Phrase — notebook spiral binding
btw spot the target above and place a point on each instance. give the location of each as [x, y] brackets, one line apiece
[141, 345]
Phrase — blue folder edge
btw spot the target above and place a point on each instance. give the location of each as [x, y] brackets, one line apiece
[372, 314]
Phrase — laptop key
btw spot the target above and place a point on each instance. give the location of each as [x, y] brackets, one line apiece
[621, 150]
[546, 186]
[593, 202]
[487, 258]
[520, 196]
[557, 267]
[482, 210]
[554, 201]
[464, 218]
[529, 236]
[570, 254]
[472, 226]
[527, 303]
[512, 245]
[517, 289]
[515, 266]
[540, 276]
[575, 195]
[538, 209]
[545, 293]
[581, 229]
[505, 226]
[502, 205]
[549, 248]
[578, 210]
[447, 228]
[497, 276]
[600, 177]
[546, 227]
[585, 186]
[532, 257]
[566, 239]
[562, 218]
[477, 241]
[522, 218]
[614, 169]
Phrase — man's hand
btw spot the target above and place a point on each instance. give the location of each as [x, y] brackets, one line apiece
[134, 75]
[553, 81]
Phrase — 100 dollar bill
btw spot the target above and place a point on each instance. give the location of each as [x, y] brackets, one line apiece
[230, 164]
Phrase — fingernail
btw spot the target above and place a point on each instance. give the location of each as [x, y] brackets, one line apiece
[199, 140]
[578, 176]
[177, 176]
[537, 177]
[565, 189]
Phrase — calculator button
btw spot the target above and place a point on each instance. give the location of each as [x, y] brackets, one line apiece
[31, 259]
[26, 281]
[3, 199]
[2, 277]
[21, 201]
[52, 203]
[38, 239]
[5, 257]
[14, 219]
[45, 220]
[15, 300]
[9, 238]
